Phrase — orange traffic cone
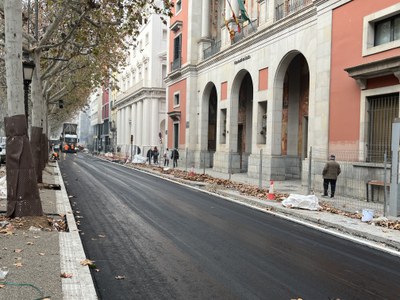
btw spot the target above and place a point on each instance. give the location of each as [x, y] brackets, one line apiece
[271, 194]
[191, 173]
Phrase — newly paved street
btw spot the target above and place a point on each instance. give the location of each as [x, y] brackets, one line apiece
[154, 239]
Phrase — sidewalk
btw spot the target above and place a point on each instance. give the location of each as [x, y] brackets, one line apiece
[35, 254]
[35, 259]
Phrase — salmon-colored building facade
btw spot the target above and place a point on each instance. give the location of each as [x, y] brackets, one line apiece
[347, 111]
[283, 80]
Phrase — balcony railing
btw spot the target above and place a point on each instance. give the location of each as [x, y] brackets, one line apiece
[210, 51]
[176, 64]
[247, 30]
[289, 7]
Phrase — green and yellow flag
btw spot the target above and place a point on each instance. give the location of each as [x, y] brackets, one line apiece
[243, 11]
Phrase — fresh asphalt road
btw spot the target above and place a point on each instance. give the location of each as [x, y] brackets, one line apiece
[167, 241]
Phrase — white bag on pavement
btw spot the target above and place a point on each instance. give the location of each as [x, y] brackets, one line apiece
[3, 187]
[309, 202]
[138, 159]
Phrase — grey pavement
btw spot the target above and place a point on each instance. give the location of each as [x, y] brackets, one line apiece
[47, 254]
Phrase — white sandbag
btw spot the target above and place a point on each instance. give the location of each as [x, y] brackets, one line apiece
[309, 202]
[3, 187]
[138, 159]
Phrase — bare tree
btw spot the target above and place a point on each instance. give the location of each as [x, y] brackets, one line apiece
[76, 45]
[22, 190]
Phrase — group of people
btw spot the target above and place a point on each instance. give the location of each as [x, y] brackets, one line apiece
[153, 155]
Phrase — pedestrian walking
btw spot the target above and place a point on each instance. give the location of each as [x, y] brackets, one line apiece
[330, 173]
[149, 155]
[175, 157]
[166, 157]
[155, 155]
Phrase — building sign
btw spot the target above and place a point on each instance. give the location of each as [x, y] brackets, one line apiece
[241, 59]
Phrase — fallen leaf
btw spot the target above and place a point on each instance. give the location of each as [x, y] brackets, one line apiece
[9, 230]
[66, 275]
[89, 263]
[86, 262]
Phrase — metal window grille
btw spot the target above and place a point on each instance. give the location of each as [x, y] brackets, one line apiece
[383, 110]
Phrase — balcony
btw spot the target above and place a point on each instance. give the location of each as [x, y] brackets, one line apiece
[210, 51]
[289, 7]
[176, 64]
[246, 31]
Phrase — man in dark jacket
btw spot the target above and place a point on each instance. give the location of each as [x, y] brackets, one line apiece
[175, 157]
[330, 174]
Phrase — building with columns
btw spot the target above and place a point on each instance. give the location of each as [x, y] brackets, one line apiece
[139, 105]
[277, 78]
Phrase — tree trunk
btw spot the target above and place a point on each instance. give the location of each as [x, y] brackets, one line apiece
[22, 190]
[36, 135]
[37, 119]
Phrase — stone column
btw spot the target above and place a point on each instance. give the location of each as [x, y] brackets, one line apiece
[205, 22]
[155, 125]
[146, 122]
[119, 127]
[205, 41]
[134, 122]
[123, 127]
[139, 124]
[128, 125]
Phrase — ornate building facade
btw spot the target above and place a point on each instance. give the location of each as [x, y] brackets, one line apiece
[275, 78]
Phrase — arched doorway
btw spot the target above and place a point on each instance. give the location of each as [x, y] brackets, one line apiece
[245, 121]
[208, 125]
[212, 121]
[295, 102]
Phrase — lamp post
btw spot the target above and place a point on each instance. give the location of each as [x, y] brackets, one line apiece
[28, 67]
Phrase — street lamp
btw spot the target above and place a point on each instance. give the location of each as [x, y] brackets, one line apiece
[28, 67]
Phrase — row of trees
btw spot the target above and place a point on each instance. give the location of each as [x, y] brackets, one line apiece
[75, 45]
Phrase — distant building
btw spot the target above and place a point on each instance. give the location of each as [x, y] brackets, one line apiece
[84, 128]
[140, 102]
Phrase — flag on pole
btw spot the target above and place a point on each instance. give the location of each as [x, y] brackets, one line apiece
[234, 16]
[243, 11]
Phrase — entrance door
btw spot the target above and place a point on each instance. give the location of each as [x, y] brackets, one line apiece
[176, 135]
[241, 144]
[305, 137]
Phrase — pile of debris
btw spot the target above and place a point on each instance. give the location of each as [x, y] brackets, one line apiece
[33, 223]
[244, 189]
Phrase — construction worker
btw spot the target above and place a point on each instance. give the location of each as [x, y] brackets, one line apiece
[66, 148]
